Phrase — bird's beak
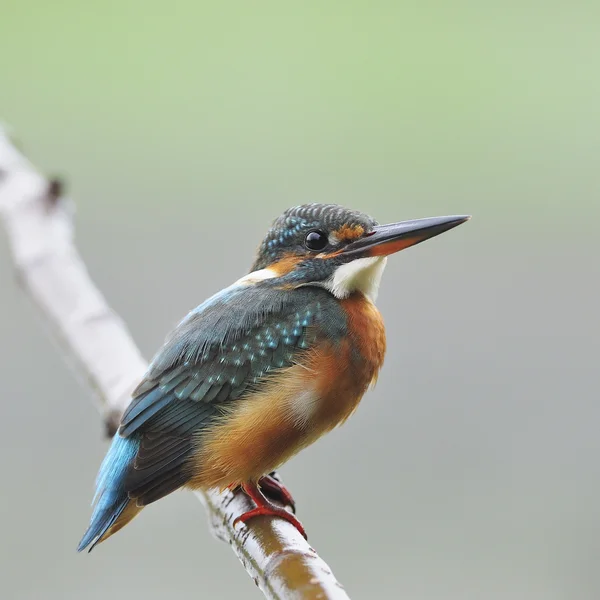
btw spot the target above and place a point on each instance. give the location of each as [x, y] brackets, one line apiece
[387, 239]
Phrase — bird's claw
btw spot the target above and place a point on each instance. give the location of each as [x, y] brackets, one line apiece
[272, 511]
[273, 489]
[264, 507]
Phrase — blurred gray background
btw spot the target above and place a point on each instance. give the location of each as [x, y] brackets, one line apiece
[183, 129]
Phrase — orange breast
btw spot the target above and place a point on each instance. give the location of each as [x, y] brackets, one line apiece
[367, 334]
[296, 405]
[347, 369]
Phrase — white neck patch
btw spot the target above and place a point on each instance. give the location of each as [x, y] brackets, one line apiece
[359, 275]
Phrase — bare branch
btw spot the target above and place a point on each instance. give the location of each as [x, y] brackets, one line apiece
[39, 224]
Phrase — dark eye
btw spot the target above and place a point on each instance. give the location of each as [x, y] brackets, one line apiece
[315, 240]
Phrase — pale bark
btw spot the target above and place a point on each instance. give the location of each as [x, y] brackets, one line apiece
[39, 224]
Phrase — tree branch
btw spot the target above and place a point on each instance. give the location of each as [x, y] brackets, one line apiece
[39, 224]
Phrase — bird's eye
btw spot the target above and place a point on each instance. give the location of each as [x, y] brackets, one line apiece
[315, 240]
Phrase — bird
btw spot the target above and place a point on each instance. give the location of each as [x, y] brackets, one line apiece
[260, 370]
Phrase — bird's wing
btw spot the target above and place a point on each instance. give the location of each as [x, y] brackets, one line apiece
[215, 355]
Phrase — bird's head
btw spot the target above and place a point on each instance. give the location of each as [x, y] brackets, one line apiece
[339, 249]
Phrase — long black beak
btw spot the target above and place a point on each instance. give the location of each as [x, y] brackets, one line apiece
[387, 239]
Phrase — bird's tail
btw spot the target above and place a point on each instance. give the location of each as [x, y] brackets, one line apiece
[112, 506]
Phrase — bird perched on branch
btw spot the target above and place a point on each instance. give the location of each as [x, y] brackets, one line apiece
[260, 370]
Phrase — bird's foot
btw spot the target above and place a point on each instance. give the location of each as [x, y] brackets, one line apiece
[273, 489]
[265, 507]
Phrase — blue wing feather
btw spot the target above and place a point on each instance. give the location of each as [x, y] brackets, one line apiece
[148, 406]
[111, 496]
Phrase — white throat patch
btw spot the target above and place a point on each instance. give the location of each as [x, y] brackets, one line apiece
[360, 275]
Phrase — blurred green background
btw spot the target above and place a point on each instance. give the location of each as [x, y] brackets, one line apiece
[183, 129]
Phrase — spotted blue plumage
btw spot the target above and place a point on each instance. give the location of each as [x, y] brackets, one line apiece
[219, 353]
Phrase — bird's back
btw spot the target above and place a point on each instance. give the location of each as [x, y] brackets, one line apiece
[245, 381]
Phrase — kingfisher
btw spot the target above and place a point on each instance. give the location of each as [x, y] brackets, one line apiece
[260, 370]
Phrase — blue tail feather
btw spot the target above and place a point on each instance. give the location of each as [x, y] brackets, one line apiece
[111, 496]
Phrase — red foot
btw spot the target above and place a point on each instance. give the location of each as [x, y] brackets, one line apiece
[271, 487]
[267, 508]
